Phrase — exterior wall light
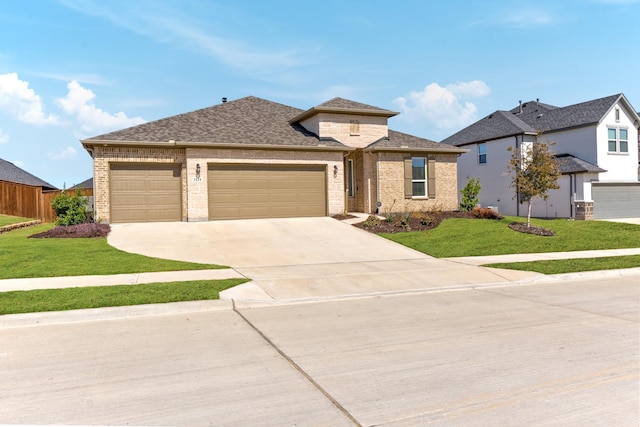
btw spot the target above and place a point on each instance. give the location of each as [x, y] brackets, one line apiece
[335, 171]
[197, 170]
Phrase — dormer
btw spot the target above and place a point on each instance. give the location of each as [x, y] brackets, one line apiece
[351, 123]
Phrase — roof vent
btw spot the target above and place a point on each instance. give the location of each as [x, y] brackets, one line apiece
[224, 99]
[520, 112]
[537, 103]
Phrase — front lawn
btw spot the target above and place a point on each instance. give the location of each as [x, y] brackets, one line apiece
[8, 220]
[456, 237]
[24, 257]
[112, 296]
[560, 266]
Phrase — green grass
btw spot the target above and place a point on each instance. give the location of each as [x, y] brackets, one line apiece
[111, 296]
[573, 265]
[8, 220]
[22, 257]
[456, 237]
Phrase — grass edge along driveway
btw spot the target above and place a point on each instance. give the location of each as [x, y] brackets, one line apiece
[40, 300]
[21, 257]
[457, 237]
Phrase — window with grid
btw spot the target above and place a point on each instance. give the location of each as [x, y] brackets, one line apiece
[618, 140]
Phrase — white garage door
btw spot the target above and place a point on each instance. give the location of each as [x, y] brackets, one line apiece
[616, 200]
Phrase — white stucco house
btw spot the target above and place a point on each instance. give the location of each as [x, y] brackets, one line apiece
[596, 146]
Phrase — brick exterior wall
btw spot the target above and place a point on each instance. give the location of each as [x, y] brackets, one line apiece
[104, 156]
[391, 181]
[198, 200]
[338, 126]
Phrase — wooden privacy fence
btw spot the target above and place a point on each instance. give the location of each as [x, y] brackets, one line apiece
[30, 202]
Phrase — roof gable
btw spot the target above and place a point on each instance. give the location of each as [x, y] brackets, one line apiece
[12, 173]
[343, 106]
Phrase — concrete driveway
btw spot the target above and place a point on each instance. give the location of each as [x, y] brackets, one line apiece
[302, 258]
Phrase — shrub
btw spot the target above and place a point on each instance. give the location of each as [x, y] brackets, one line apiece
[71, 209]
[470, 194]
[485, 213]
[405, 220]
[371, 221]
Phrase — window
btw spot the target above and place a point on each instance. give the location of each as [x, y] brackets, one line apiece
[617, 140]
[354, 127]
[350, 183]
[482, 153]
[419, 176]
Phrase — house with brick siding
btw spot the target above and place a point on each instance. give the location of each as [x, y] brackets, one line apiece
[254, 158]
[597, 154]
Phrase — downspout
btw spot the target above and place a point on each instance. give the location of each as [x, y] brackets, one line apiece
[517, 194]
[377, 182]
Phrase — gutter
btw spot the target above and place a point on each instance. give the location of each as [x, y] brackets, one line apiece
[187, 144]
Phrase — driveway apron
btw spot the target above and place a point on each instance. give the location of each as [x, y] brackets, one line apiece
[302, 258]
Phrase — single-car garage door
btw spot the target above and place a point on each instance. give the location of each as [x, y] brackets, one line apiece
[616, 200]
[242, 191]
[145, 192]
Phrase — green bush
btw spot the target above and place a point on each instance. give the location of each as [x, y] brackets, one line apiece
[71, 209]
[470, 194]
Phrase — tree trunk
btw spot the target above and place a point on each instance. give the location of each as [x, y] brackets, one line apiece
[529, 214]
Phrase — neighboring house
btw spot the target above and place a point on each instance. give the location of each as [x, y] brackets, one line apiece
[23, 194]
[597, 155]
[253, 158]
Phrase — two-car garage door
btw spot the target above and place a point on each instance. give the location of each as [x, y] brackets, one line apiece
[243, 191]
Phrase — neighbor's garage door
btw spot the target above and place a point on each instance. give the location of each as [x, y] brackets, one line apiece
[616, 200]
[266, 191]
[145, 192]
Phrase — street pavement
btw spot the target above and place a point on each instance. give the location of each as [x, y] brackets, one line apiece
[556, 353]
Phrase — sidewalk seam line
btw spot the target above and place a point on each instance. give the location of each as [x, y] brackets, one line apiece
[297, 367]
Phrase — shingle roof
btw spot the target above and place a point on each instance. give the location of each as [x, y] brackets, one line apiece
[12, 173]
[568, 163]
[496, 125]
[399, 140]
[352, 105]
[249, 120]
[84, 184]
[533, 117]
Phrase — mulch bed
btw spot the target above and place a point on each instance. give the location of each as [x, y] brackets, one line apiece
[74, 231]
[538, 231]
[416, 222]
[341, 217]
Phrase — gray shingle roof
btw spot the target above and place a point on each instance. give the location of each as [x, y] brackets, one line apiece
[352, 105]
[535, 117]
[249, 120]
[12, 173]
[84, 184]
[403, 141]
[568, 163]
[496, 125]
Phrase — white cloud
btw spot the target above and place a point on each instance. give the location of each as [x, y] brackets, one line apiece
[4, 138]
[67, 153]
[445, 107]
[19, 100]
[18, 163]
[79, 103]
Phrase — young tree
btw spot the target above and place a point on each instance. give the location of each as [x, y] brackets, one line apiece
[470, 194]
[534, 172]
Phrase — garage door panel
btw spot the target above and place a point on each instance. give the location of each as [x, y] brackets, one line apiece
[616, 201]
[266, 191]
[146, 192]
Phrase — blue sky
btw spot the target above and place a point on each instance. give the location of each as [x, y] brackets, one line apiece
[72, 69]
